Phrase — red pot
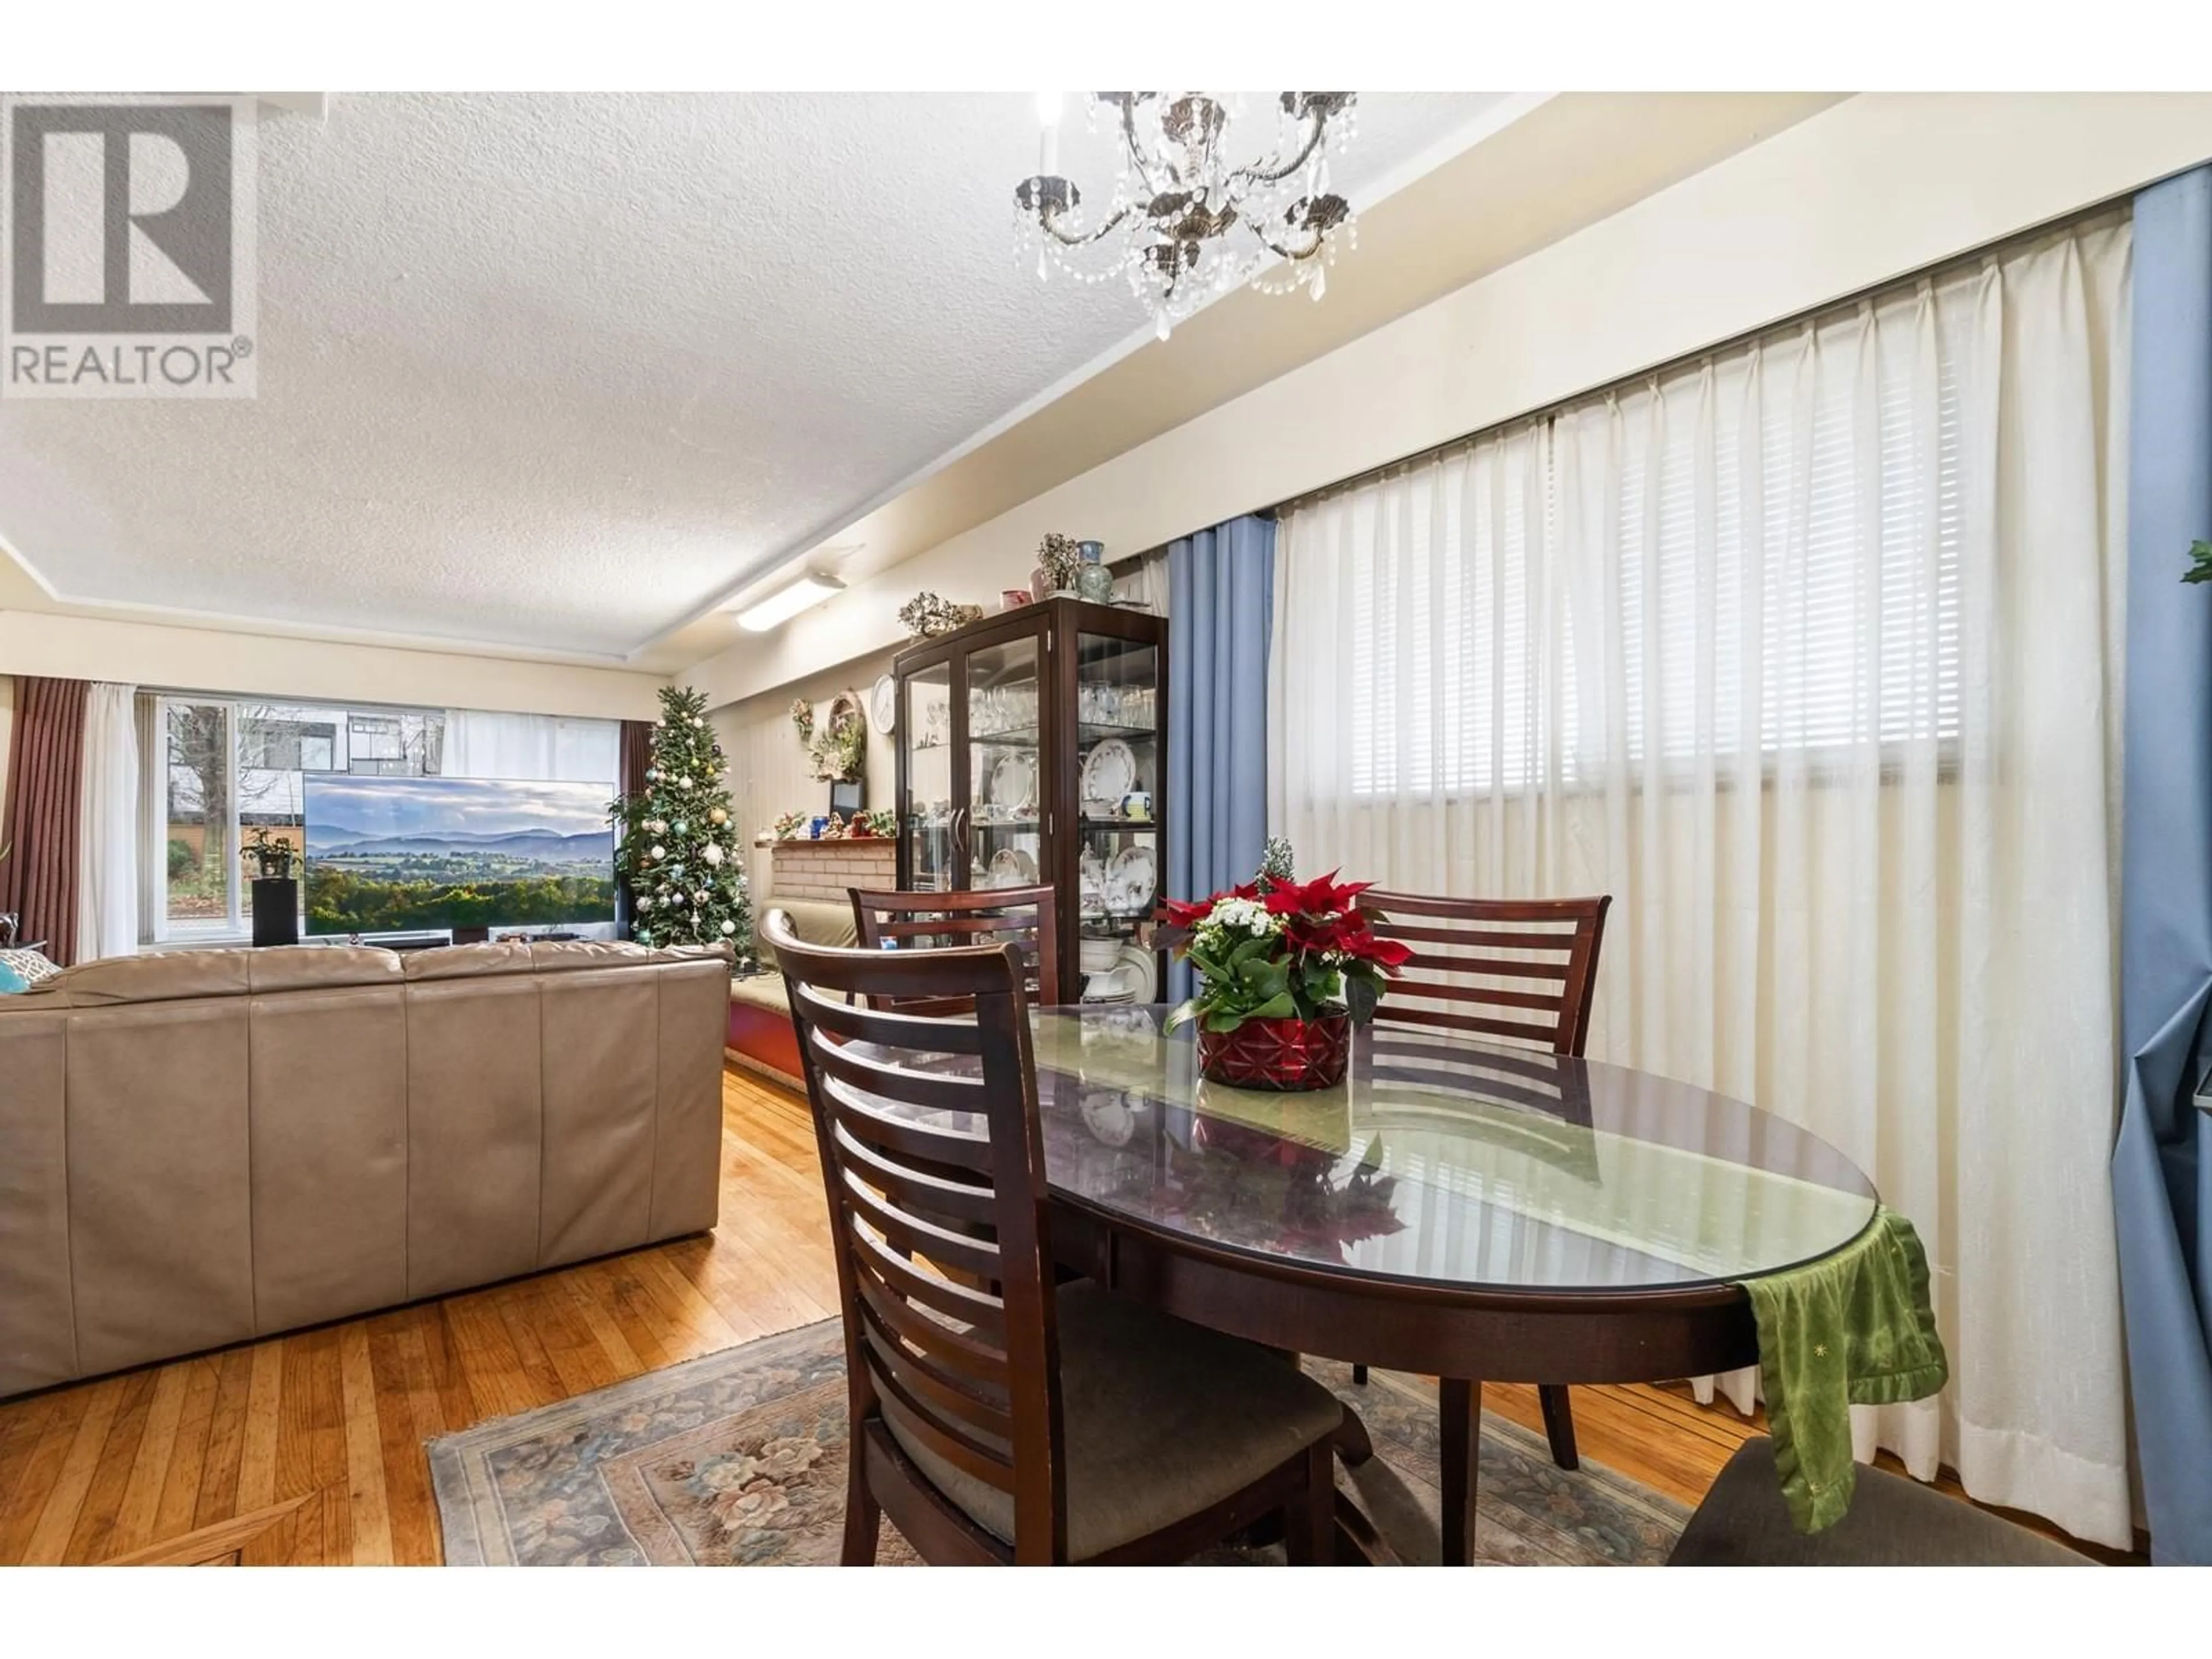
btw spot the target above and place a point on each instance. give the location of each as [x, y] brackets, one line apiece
[1289, 1054]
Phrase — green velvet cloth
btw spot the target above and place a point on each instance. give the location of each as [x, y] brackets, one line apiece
[1854, 1329]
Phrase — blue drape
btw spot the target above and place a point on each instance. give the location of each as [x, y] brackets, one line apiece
[2160, 1166]
[1221, 613]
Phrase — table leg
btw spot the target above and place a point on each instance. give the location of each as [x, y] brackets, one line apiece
[1558, 1425]
[1354, 1444]
[1459, 1440]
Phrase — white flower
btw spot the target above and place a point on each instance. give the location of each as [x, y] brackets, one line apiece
[643, 902]
[713, 854]
[1245, 916]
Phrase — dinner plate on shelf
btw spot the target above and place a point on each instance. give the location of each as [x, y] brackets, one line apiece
[1130, 880]
[1013, 780]
[1110, 771]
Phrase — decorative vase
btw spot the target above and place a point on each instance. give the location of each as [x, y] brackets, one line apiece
[1287, 1054]
[1094, 583]
[1040, 583]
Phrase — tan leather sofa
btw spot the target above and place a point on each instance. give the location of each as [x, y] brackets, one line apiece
[203, 1146]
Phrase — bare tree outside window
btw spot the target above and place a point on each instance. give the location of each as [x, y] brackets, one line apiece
[231, 768]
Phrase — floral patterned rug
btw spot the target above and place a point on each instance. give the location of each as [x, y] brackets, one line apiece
[738, 1459]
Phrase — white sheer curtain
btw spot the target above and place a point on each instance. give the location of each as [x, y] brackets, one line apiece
[1809, 654]
[480, 744]
[1148, 582]
[107, 830]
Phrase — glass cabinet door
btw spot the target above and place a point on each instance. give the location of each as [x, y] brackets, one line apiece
[1119, 853]
[929, 814]
[1009, 775]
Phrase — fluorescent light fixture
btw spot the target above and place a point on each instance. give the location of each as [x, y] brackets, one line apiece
[783, 604]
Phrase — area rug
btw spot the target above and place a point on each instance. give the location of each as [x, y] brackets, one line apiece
[738, 1459]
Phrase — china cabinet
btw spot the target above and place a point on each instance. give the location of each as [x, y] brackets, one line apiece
[1032, 748]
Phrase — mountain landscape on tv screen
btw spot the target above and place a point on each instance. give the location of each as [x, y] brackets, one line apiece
[399, 854]
[549, 844]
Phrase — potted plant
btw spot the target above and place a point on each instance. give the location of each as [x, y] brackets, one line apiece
[1058, 559]
[275, 889]
[1286, 971]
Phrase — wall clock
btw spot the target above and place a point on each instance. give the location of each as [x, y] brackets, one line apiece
[883, 704]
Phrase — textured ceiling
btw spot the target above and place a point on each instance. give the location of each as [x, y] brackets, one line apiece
[556, 371]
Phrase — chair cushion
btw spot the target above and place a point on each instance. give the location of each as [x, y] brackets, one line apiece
[1893, 1521]
[1162, 1419]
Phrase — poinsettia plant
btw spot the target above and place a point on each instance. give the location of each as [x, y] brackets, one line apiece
[1275, 948]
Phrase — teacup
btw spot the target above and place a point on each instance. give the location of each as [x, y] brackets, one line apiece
[1136, 804]
[1097, 955]
[1011, 596]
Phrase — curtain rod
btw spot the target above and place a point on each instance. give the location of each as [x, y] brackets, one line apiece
[2073, 222]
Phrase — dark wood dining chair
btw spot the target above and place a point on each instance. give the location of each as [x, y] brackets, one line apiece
[1515, 970]
[1025, 917]
[996, 1419]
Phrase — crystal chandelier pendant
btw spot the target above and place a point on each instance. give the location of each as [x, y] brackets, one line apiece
[1184, 224]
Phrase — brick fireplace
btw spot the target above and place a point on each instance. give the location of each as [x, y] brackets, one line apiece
[824, 869]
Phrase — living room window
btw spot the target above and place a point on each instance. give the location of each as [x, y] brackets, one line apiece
[223, 768]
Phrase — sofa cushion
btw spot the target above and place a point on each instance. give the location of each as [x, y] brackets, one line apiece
[158, 976]
[174, 976]
[320, 967]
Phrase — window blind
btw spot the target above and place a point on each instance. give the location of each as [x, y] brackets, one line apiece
[1751, 556]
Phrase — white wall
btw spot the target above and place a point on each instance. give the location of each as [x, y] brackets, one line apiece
[769, 772]
[205, 659]
[1879, 185]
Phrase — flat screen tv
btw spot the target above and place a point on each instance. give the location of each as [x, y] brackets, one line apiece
[391, 855]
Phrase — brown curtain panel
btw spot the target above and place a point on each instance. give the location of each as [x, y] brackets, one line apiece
[636, 754]
[46, 772]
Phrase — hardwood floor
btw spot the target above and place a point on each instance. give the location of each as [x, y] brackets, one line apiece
[308, 1449]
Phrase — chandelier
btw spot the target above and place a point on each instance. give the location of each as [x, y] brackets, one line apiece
[1185, 222]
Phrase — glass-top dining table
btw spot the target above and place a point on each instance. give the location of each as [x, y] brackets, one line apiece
[1472, 1213]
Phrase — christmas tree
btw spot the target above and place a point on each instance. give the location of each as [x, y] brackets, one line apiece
[678, 855]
